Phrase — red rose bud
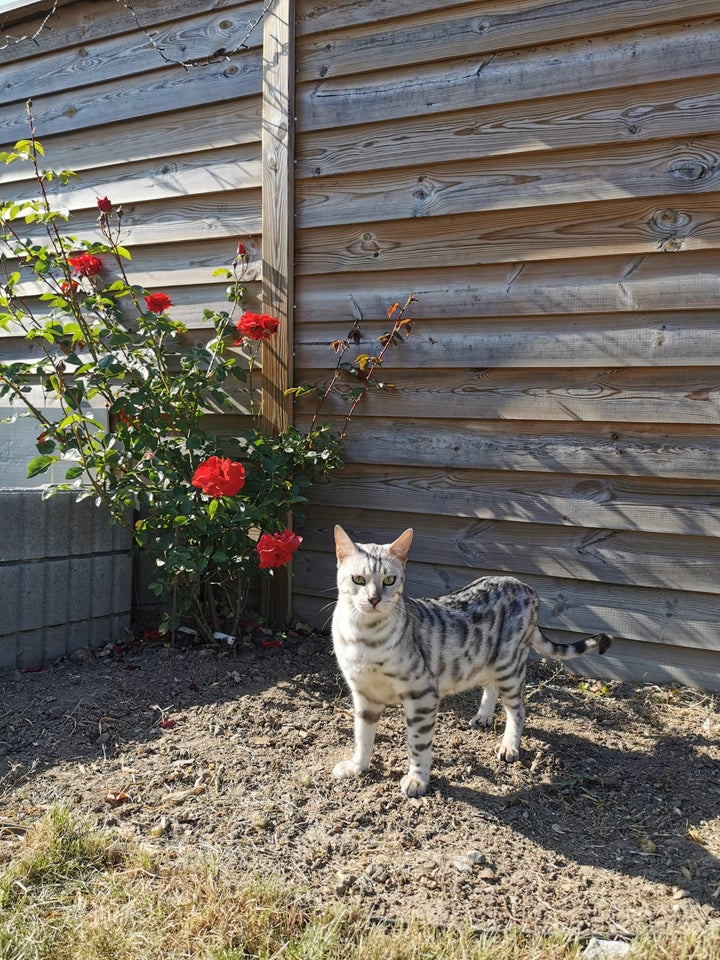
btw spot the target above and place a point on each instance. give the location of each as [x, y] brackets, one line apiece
[104, 205]
[86, 265]
[241, 251]
[69, 286]
[256, 326]
[158, 302]
[275, 549]
[219, 477]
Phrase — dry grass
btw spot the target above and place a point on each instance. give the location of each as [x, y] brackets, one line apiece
[72, 893]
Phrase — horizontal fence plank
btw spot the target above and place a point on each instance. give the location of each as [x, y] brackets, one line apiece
[184, 132]
[670, 617]
[589, 175]
[98, 59]
[126, 99]
[76, 24]
[508, 22]
[671, 451]
[630, 395]
[582, 119]
[618, 503]
[601, 228]
[519, 549]
[495, 78]
[660, 339]
[442, 34]
[169, 178]
[586, 286]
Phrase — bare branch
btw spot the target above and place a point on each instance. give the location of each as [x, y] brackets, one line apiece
[10, 41]
[217, 57]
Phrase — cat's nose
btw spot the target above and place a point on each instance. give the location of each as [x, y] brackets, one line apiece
[374, 600]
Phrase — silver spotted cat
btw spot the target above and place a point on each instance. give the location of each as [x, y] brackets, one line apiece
[394, 650]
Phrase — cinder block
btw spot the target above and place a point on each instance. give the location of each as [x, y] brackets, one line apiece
[78, 636]
[9, 651]
[57, 592]
[101, 569]
[10, 600]
[10, 526]
[57, 517]
[54, 643]
[30, 649]
[31, 605]
[80, 592]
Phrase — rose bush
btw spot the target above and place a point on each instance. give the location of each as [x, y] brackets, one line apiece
[126, 393]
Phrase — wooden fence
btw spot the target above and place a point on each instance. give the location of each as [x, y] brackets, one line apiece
[543, 176]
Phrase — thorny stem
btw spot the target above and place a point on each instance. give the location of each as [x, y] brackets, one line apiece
[375, 363]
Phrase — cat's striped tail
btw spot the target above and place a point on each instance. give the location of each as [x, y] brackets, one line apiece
[598, 643]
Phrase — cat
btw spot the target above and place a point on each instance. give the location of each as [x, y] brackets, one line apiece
[394, 650]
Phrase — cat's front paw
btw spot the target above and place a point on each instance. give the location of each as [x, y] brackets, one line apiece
[482, 720]
[508, 752]
[413, 785]
[346, 768]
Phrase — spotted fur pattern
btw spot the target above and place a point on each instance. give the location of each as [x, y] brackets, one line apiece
[393, 650]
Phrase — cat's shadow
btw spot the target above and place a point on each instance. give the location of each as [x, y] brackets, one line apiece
[640, 814]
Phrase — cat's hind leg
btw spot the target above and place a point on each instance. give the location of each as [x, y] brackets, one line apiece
[367, 715]
[511, 696]
[484, 716]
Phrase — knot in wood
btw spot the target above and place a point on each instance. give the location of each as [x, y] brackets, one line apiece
[689, 169]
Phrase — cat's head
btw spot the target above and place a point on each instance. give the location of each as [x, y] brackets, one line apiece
[371, 576]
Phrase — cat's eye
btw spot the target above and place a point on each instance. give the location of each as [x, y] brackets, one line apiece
[360, 581]
[389, 581]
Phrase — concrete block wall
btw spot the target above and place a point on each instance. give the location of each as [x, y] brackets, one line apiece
[65, 577]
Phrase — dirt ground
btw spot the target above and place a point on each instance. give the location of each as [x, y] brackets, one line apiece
[610, 823]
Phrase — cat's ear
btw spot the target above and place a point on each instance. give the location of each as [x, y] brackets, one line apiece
[344, 546]
[400, 548]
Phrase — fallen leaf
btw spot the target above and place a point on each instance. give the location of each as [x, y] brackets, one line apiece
[116, 796]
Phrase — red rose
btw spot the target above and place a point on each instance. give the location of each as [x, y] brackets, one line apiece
[104, 205]
[256, 326]
[68, 286]
[241, 251]
[86, 265]
[275, 549]
[158, 302]
[219, 477]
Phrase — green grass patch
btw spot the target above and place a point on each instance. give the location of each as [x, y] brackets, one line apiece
[73, 893]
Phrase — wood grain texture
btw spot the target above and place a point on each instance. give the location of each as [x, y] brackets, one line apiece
[673, 169]
[530, 16]
[635, 450]
[619, 117]
[473, 29]
[277, 251]
[130, 98]
[563, 232]
[98, 59]
[689, 50]
[659, 339]
[583, 287]
[652, 505]
[79, 23]
[170, 178]
[678, 395]
[609, 556]
[184, 133]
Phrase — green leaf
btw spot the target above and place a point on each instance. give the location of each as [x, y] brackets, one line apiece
[74, 472]
[40, 464]
[212, 508]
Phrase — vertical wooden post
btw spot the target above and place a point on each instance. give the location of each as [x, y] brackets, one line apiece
[278, 118]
